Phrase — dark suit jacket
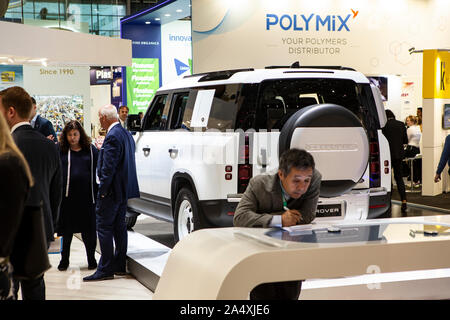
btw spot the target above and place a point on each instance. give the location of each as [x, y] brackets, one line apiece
[42, 156]
[395, 133]
[14, 189]
[116, 166]
[263, 199]
[45, 127]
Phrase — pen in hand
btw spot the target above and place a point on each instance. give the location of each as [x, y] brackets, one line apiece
[292, 213]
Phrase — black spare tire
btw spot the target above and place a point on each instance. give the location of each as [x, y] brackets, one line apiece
[337, 140]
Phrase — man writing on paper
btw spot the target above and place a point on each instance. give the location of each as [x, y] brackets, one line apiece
[283, 199]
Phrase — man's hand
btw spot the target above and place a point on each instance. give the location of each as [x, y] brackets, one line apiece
[290, 218]
[50, 137]
[437, 177]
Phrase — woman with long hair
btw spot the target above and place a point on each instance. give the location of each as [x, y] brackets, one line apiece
[77, 213]
[15, 182]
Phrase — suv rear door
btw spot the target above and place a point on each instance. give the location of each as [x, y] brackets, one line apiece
[279, 99]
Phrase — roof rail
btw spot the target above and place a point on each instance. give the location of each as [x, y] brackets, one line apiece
[328, 67]
[217, 75]
[296, 65]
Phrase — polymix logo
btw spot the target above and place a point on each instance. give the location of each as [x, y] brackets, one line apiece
[310, 22]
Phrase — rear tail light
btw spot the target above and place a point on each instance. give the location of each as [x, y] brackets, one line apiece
[374, 158]
[244, 175]
[245, 169]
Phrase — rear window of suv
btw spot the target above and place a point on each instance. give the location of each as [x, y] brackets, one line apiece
[280, 99]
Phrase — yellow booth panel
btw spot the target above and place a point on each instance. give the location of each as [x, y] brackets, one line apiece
[436, 74]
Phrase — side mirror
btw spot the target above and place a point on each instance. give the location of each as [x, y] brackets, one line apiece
[133, 123]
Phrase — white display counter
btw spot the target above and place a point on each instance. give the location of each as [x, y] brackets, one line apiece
[227, 263]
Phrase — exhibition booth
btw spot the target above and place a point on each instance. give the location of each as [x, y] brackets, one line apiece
[402, 47]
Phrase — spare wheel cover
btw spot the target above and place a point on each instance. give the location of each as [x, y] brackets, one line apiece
[336, 139]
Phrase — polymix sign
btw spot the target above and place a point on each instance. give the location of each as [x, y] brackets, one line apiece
[305, 31]
[307, 22]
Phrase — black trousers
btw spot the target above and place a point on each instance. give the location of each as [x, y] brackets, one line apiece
[398, 176]
[89, 240]
[31, 289]
[417, 170]
[288, 290]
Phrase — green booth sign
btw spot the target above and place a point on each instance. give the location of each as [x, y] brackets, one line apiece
[142, 83]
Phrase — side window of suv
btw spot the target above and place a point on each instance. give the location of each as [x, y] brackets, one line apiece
[155, 119]
[224, 107]
[179, 106]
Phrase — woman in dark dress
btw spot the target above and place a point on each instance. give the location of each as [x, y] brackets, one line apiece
[77, 213]
[15, 182]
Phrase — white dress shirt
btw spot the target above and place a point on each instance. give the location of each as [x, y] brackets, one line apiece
[33, 121]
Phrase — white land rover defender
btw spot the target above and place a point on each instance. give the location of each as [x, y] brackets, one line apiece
[204, 136]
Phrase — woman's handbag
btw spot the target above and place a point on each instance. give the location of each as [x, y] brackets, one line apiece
[29, 257]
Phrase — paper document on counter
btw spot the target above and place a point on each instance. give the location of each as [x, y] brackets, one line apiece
[305, 228]
[299, 227]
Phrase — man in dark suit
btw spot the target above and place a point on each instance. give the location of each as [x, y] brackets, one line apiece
[42, 125]
[123, 114]
[282, 199]
[116, 171]
[43, 158]
[395, 133]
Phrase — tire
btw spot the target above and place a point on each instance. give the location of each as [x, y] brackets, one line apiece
[130, 220]
[187, 215]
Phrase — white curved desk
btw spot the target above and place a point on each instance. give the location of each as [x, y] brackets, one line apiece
[227, 263]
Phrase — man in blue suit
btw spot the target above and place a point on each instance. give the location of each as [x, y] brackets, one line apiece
[116, 171]
[42, 125]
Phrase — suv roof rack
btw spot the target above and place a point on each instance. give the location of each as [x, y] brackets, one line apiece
[217, 75]
[296, 65]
